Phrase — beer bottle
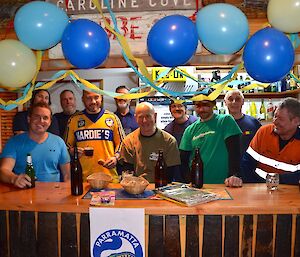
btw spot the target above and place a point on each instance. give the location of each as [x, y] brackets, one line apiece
[197, 170]
[222, 109]
[262, 110]
[76, 174]
[160, 171]
[253, 111]
[29, 170]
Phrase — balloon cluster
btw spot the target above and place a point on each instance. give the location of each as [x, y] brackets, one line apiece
[41, 25]
[172, 41]
[223, 29]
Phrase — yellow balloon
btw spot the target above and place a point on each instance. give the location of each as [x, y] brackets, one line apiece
[17, 64]
[284, 15]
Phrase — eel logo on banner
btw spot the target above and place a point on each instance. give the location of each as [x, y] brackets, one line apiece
[117, 232]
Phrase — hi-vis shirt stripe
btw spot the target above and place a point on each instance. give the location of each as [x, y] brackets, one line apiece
[273, 163]
[261, 173]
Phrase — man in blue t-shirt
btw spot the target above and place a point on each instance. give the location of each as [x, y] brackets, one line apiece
[49, 153]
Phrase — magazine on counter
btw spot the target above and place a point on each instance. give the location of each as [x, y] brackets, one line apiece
[103, 198]
[185, 194]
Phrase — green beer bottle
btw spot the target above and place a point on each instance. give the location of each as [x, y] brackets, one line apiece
[29, 170]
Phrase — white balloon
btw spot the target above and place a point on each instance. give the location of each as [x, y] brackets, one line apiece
[284, 15]
[17, 64]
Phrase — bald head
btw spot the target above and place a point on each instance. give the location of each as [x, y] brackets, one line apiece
[234, 100]
[233, 92]
[145, 106]
[146, 118]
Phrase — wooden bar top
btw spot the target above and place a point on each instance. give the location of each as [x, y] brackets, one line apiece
[250, 199]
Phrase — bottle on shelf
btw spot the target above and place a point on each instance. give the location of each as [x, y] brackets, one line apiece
[29, 170]
[273, 87]
[293, 84]
[278, 86]
[247, 83]
[260, 89]
[262, 110]
[160, 171]
[222, 109]
[268, 88]
[215, 109]
[197, 170]
[270, 110]
[247, 107]
[283, 84]
[76, 174]
[253, 110]
[288, 82]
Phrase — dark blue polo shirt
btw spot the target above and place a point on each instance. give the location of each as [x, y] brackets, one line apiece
[128, 121]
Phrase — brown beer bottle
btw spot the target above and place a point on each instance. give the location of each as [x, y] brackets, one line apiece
[197, 170]
[160, 171]
[76, 174]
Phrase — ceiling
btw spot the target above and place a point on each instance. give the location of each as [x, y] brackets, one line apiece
[252, 8]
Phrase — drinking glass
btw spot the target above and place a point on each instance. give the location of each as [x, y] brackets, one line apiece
[272, 181]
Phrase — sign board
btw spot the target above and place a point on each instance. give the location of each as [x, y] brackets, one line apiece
[117, 232]
[87, 6]
[133, 26]
[173, 76]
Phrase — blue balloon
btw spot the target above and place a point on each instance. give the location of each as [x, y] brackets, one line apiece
[40, 25]
[268, 55]
[172, 41]
[222, 28]
[85, 44]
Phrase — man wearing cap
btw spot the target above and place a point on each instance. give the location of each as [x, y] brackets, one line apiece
[218, 138]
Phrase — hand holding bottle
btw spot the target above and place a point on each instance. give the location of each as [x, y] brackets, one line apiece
[21, 181]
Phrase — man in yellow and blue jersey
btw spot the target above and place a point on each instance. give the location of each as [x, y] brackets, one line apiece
[99, 129]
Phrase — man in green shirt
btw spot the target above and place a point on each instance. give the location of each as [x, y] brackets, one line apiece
[218, 138]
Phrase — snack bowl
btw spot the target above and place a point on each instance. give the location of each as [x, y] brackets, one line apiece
[99, 180]
[134, 185]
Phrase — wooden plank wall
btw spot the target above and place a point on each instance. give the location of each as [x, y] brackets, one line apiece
[6, 119]
[32, 234]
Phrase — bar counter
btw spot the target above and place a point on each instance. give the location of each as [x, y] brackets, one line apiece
[48, 221]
